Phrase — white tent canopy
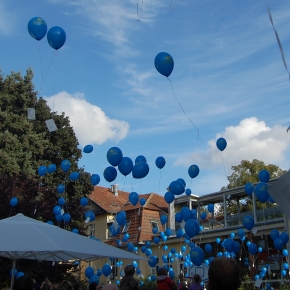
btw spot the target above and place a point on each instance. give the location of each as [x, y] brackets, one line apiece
[25, 238]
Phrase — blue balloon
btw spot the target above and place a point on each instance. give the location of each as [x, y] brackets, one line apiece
[218, 240]
[142, 201]
[270, 199]
[74, 230]
[89, 272]
[15, 272]
[37, 28]
[140, 158]
[237, 247]
[284, 237]
[156, 240]
[114, 156]
[197, 256]
[160, 162]
[187, 214]
[154, 230]
[203, 215]
[41, 170]
[121, 218]
[152, 261]
[148, 252]
[74, 176]
[130, 247]
[163, 219]
[59, 217]
[210, 207]
[229, 245]
[179, 233]
[110, 173]
[164, 63]
[56, 37]
[221, 144]
[88, 149]
[125, 166]
[169, 197]
[134, 198]
[60, 188]
[140, 170]
[274, 234]
[65, 165]
[90, 215]
[182, 181]
[241, 233]
[95, 179]
[264, 175]
[66, 217]
[57, 210]
[168, 232]
[125, 238]
[191, 228]
[278, 244]
[188, 191]
[50, 222]
[261, 191]
[178, 217]
[61, 201]
[252, 249]
[51, 168]
[248, 222]
[114, 231]
[84, 201]
[283, 273]
[94, 278]
[143, 249]
[19, 274]
[193, 171]
[13, 201]
[176, 187]
[106, 270]
[249, 188]
[208, 248]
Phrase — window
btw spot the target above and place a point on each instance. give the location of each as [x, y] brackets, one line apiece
[109, 234]
[92, 230]
[126, 227]
[154, 224]
[114, 273]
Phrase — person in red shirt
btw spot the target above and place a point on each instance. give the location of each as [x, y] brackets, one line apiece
[163, 281]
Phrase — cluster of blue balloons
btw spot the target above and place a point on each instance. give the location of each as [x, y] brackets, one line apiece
[37, 28]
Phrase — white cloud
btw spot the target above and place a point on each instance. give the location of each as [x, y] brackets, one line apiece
[251, 139]
[90, 122]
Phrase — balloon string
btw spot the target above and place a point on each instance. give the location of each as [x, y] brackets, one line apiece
[46, 74]
[171, 5]
[124, 183]
[224, 167]
[183, 109]
[278, 39]
[159, 180]
[40, 60]
[54, 81]
[139, 14]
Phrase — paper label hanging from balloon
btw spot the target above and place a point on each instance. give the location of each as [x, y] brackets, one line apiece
[258, 283]
[254, 230]
[62, 211]
[87, 220]
[51, 125]
[31, 114]
[182, 224]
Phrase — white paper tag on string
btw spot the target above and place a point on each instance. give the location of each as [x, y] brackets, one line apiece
[31, 113]
[182, 224]
[53, 263]
[51, 125]
[258, 283]
[87, 220]
[254, 230]
[62, 211]
[115, 225]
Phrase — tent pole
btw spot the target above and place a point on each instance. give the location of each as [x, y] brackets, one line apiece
[12, 274]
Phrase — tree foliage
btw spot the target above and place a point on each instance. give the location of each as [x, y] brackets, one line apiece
[27, 144]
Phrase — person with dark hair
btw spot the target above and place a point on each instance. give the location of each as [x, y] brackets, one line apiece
[224, 274]
[93, 286]
[163, 281]
[24, 283]
[128, 282]
[195, 285]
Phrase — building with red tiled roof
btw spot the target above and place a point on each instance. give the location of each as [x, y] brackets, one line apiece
[107, 202]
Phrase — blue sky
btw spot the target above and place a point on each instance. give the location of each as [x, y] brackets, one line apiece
[228, 76]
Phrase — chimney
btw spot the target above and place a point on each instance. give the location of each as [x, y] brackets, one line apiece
[114, 189]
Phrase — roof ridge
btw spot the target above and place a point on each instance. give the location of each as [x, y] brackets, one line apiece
[147, 200]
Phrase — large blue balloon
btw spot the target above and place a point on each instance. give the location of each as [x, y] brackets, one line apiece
[106, 270]
[110, 173]
[191, 228]
[152, 261]
[178, 217]
[65, 165]
[88, 149]
[264, 175]
[89, 272]
[176, 187]
[248, 222]
[193, 171]
[284, 237]
[169, 197]
[134, 198]
[56, 37]
[114, 156]
[114, 231]
[51, 168]
[163, 219]
[210, 207]
[252, 249]
[121, 218]
[94, 278]
[274, 234]
[187, 214]
[208, 248]
[95, 179]
[261, 191]
[37, 28]
[203, 215]
[229, 245]
[197, 256]
[140, 170]
[57, 210]
[241, 233]
[142, 201]
[90, 215]
[160, 162]
[164, 63]
[140, 158]
[249, 188]
[221, 144]
[125, 166]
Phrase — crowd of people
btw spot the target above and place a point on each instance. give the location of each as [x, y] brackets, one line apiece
[223, 274]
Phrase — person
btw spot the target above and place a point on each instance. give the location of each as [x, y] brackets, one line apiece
[128, 282]
[163, 281]
[24, 283]
[46, 284]
[93, 286]
[195, 285]
[223, 274]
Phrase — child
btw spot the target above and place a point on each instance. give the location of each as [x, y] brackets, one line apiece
[196, 283]
[128, 282]
[164, 282]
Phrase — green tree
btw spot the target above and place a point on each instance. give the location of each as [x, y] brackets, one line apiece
[27, 144]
